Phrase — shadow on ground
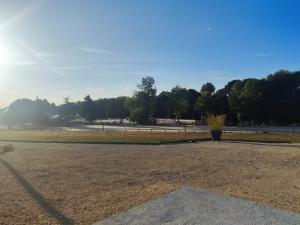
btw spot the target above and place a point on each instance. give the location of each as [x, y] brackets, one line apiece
[38, 197]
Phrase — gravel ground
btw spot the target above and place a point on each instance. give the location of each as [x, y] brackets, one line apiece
[82, 183]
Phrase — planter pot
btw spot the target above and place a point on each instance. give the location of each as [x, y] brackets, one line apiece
[216, 135]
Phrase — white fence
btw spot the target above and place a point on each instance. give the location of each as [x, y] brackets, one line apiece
[140, 128]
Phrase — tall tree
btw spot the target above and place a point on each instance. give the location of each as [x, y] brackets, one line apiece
[141, 105]
[220, 102]
[147, 86]
[26, 111]
[252, 101]
[68, 110]
[178, 104]
[88, 109]
[192, 96]
[162, 105]
[283, 93]
[233, 90]
[204, 103]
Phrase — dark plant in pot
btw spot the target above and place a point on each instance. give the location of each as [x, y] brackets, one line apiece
[216, 123]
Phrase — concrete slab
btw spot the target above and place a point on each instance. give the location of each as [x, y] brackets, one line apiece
[193, 206]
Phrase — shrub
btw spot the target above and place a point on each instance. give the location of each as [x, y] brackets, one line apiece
[216, 122]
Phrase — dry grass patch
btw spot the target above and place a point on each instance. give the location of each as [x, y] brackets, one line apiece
[263, 137]
[89, 182]
[100, 137]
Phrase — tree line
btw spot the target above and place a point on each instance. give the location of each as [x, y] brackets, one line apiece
[274, 100]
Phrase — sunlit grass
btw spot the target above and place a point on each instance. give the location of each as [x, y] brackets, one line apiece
[263, 137]
[139, 137]
[99, 137]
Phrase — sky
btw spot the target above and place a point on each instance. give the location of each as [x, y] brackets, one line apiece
[58, 48]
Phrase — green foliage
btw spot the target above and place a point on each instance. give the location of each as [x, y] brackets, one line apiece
[88, 109]
[147, 86]
[208, 89]
[162, 102]
[24, 111]
[274, 100]
[192, 96]
[111, 108]
[178, 102]
[141, 105]
[205, 101]
[139, 115]
[252, 101]
[68, 110]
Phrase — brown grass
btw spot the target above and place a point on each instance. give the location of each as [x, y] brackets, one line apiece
[132, 137]
[100, 137]
[263, 137]
[89, 182]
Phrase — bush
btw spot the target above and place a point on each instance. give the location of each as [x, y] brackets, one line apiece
[216, 123]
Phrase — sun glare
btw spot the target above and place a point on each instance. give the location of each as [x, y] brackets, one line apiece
[6, 51]
[8, 60]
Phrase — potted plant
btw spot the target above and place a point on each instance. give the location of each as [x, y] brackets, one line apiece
[216, 123]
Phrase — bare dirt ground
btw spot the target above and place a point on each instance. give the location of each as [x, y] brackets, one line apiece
[82, 183]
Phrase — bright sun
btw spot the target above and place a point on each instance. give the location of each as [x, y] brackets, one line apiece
[8, 60]
[6, 52]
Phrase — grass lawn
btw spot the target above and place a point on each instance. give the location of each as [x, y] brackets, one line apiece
[100, 137]
[119, 137]
[263, 137]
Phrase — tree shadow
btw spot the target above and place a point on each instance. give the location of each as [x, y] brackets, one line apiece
[37, 197]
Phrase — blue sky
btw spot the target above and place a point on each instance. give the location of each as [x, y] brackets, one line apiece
[58, 48]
